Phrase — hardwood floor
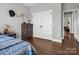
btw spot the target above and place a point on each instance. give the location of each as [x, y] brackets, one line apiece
[47, 47]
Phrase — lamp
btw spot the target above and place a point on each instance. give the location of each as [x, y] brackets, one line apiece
[21, 15]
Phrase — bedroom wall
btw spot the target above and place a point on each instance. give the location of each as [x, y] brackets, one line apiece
[70, 6]
[14, 22]
[56, 15]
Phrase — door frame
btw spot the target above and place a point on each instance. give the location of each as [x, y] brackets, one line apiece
[64, 19]
[72, 20]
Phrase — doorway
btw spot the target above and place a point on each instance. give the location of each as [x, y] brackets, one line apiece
[68, 21]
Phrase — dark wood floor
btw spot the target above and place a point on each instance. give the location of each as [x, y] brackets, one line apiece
[47, 47]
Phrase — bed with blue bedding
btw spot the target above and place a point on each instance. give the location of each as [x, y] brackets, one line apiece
[12, 46]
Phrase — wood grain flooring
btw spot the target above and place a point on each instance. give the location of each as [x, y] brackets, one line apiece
[47, 47]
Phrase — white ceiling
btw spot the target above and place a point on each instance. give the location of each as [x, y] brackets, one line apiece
[31, 4]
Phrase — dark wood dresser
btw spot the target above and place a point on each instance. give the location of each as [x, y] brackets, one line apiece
[27, 32]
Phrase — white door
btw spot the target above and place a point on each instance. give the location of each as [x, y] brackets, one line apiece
[42, 22]
[76, 22]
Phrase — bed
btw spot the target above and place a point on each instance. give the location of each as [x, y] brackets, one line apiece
[12, 46]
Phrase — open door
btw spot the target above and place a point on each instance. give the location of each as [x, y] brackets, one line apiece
[69, 41]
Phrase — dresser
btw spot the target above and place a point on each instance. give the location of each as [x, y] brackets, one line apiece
[27, 31]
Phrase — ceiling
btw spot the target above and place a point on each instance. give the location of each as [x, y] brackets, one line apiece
[31, 4]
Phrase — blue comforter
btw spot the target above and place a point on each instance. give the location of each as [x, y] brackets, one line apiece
[12, 46]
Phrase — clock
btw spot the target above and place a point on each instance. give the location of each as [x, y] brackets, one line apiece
[11, 13]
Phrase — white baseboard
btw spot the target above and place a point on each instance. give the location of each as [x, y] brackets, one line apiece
[51, 39]
[57, 40]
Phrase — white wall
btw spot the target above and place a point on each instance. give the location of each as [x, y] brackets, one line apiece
[56, 8]
[70, 6]
[14, 22]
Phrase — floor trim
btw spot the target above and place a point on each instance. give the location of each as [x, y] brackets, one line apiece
[53, 40]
